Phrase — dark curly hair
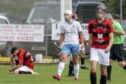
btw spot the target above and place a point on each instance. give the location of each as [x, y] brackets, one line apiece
[13, 49]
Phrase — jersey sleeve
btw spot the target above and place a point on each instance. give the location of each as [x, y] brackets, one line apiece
[79, 27]
[118, 27]
[62, 29]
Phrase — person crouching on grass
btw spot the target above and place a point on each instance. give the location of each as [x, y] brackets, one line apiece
[101, 41]
[23, 62]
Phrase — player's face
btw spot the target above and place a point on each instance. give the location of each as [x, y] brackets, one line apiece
[67, 17]
[108, 18]
[100, 15]
[16, 52]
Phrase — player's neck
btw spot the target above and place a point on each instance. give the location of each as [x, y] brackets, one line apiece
[70, 21]
[100, 20]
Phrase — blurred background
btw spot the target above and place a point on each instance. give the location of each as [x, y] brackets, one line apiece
[50, 13]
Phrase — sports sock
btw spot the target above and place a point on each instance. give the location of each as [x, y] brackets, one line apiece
[124, 67]
[93, 78]
[76, 70]
[61, 66]
[103, 79]
[23, 72]
[71, 68]
[109, 70]
[82, 61]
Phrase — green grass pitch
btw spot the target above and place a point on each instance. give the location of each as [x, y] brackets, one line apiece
[46, 72]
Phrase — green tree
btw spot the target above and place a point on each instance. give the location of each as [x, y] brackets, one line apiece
[113, 7]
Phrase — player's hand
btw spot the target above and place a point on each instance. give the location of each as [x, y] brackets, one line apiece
[10, 70]
[81, 41]
[57, 46]
[107, 50]
[81, 46]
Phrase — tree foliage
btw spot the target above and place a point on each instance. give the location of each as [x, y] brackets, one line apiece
[113, 7]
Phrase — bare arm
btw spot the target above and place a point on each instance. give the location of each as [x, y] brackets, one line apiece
[12, 64]
[85, 43]
[118, 29]
[90, 39]
[15, 67]
[119, 32]
[81, 37]
[61, 39]
[110, 42]
[11, 61]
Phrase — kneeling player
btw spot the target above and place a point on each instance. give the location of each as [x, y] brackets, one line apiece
[23, 61]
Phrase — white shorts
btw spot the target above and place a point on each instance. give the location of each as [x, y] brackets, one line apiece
[100, 56]
[23, 68]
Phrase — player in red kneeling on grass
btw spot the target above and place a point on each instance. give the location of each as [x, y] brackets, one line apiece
[23, 62]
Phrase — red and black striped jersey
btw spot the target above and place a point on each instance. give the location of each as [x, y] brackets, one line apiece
[100, 33]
